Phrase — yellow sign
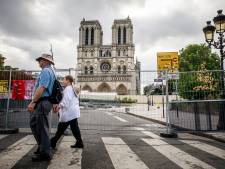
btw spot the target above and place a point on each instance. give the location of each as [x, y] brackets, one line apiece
[3, 86]
[167, 61]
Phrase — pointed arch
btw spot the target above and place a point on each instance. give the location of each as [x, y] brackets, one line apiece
[85, 70]
[86, 36]
[91, 70]
[119, 69]
[87, 87]
[104, 87]
[92, 36]
[124, 35]
[121, 90]
[119, 35]
[124, 69]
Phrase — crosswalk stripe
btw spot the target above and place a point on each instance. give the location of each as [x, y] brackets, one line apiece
[120, 119]
[148, 133]
[206, 147]
[65, 156]
[181, 158]
[121, 155]
[15, 152]
[139, 129]
[2, 136]
[109, 113]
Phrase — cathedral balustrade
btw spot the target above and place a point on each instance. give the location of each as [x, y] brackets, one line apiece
[104, 78]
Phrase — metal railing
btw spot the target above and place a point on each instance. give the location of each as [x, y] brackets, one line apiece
[186, 100]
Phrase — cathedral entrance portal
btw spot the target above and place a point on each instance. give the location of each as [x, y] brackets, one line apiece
[121, 90]
[88, 88]
[104, 87]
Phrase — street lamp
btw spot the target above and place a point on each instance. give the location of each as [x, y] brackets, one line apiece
[209, 31]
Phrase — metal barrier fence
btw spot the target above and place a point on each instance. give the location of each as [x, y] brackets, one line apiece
[153, 96]
[201, 102]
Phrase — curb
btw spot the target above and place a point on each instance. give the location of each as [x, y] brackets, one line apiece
[197, 133]
[157, 121]
[146, 118]
[8, 131]
[208, 136]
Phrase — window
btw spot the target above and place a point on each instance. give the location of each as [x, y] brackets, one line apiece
[105, 67]
[91, 70]
[124, 35]
[124, 69]
[92, 36]
[124, 53]
[85, 70]
[86, 36]
[119, 36]
[92, 53]
[118, 52]
[119, 69]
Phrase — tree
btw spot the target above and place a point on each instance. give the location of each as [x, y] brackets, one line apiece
[202, 83]
[148, 89]
[194, 55]
[1, 62]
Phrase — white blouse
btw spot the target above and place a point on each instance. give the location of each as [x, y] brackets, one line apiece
[69, 105]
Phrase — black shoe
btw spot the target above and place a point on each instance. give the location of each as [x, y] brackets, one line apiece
[53, 144]
[37, 151]
[77, 145]
[41, 157]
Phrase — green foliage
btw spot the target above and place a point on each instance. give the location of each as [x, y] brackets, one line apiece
[157, 89]
[198, 85]
[148, 89]
[126, 100]
[193, 56]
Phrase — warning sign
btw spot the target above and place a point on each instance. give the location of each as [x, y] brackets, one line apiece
[167, 61]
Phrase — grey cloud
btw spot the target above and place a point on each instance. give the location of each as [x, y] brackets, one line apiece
[176, 25]
[24, 29]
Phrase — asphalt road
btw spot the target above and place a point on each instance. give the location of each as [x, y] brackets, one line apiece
[116, 140]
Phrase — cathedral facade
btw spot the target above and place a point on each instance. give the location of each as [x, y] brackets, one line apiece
[107, 68]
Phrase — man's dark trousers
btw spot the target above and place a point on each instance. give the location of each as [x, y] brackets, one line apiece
[39, 124]
[62, 126]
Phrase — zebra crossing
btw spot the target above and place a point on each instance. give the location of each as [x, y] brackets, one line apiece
[120, 152]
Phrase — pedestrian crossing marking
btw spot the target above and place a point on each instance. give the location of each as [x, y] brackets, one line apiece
[206, 147]
[109, 113]
[181, 158]
[2, 136]
[121, 155]
[10, 156]
[148, 133]
[139, 129]
[65, 156]
[120, 119]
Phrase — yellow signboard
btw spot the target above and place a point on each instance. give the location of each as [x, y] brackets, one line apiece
[3, 86]
[167, 61]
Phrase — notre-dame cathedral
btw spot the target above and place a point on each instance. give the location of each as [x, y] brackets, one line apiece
[107, 68]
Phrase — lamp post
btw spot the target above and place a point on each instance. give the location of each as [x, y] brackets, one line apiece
[209, 31]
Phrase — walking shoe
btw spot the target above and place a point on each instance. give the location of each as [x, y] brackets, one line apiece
[37, 151]
[53, 144]
[41, 157]
[77, 145]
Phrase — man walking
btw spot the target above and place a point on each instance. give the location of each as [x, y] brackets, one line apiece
[40, 108]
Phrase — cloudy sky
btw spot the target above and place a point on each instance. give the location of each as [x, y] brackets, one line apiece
[27, 27]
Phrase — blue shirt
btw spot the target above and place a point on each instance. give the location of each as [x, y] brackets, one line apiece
[46, 79]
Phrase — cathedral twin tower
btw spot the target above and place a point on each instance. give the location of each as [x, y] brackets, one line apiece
[107, 68]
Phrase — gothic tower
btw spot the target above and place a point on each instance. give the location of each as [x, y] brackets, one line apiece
[107, 68]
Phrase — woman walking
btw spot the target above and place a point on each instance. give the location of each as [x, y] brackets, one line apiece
[69, 112]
